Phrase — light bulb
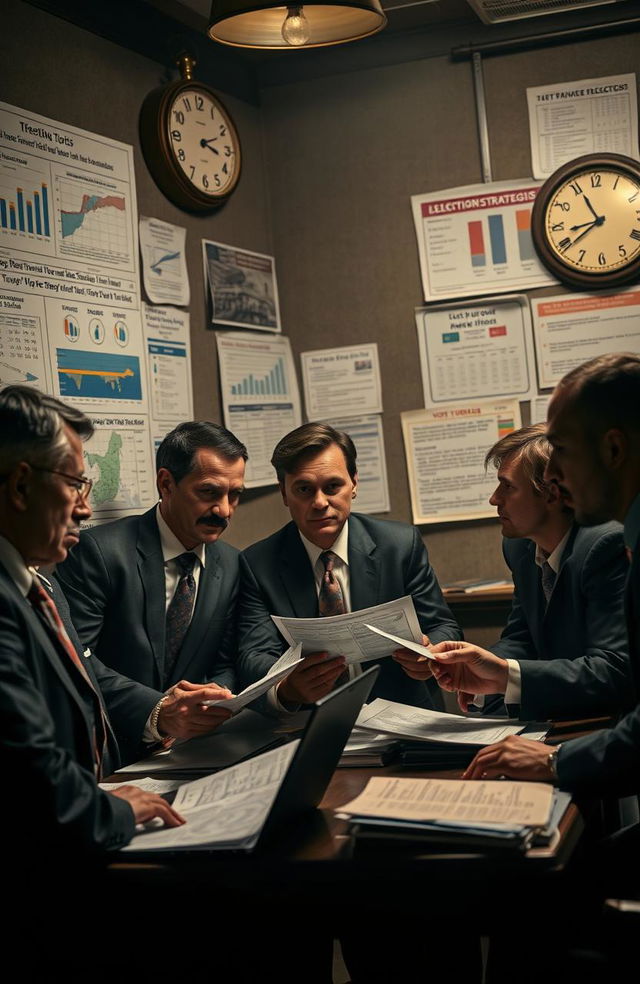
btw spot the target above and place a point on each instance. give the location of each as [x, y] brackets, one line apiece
[295, 29]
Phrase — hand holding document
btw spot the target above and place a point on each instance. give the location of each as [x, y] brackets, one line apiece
[423, 651]
[350, 635]
[280, 669]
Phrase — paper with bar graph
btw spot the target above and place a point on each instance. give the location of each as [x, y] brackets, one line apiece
[477, 240]
[480, 350]
[260, 396]
[70, 303]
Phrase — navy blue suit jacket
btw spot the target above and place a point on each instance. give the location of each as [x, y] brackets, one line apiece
[573, 653]
[608, 762]
[387, 560]
[115, 585]
[46, 749]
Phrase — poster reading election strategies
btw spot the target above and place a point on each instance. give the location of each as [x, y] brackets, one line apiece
[260, 397]
[69, 291]
[445, 451]
[477, 240]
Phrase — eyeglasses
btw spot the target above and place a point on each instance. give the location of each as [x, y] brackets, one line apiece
[80, 483]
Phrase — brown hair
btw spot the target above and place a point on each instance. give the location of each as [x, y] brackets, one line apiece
[606, 391]
[305, 442]
[531, 447]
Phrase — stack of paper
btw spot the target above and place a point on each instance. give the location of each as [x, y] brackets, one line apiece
[451, 813]
[368, 748]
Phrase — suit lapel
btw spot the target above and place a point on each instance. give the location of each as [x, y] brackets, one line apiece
[556, 600]
[151, 571]
[364, 567]
[296, 574]
[530, 594]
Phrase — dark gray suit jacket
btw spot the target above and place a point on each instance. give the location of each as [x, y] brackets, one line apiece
[46, 752]
[608, 762]
[387, 560]
[573, 653]
[115, 585]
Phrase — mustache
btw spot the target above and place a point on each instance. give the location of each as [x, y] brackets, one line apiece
[217, 522]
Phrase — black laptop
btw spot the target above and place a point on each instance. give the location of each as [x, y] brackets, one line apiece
[311, 759]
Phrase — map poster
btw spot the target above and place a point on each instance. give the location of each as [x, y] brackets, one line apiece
[118, 460]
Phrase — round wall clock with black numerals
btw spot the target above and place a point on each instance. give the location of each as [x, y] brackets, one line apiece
[585, 222]
[190, 143]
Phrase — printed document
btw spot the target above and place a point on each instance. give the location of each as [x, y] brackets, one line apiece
[417, 722]
[454, 799]
[348, 635]
[280, 669]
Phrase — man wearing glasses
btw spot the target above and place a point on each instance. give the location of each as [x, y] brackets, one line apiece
[154, 595]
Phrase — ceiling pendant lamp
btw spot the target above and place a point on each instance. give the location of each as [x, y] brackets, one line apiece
[246, 24]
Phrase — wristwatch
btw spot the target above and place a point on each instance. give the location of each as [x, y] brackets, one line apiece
[552, 762]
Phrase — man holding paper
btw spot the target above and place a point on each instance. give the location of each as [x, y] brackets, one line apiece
[330, 561]
[563, 653]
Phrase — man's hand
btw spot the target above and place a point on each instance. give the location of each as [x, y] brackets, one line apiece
[469, 669]
[312, 679]
[146, 806]
[415, 666]
[513, 757]
[182, 714]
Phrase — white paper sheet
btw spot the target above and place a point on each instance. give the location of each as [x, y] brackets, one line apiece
[164, 264]
[347, 635]
[242, 287]
[347, 379]
[419, 723]
[280, 669]
[569, 119]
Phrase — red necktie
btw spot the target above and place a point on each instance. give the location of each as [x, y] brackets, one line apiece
[44, 605]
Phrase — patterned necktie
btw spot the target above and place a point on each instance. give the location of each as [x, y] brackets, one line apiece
[179, 613]
[548, 578]
[330, 599]
[45, 607]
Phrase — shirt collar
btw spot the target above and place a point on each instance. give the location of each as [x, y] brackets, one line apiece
[171, 546]
[555, 557]
[632, 525]
[340, 546]
[12, 560]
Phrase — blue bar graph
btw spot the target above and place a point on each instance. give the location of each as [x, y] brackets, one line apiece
[272, 383]
[36, 209]
[29, 215]
[20, 209]
[496, 237]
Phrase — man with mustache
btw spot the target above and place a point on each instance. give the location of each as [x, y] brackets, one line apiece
[563, 652]
[154, 595]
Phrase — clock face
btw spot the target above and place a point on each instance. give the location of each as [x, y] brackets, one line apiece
[203, 142]
[586, 221]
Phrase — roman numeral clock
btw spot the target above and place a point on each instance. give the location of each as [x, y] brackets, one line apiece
[585, 222]
[190, 143]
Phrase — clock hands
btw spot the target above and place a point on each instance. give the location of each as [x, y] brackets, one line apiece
[207, 144]
[590, 207]
[586, 227]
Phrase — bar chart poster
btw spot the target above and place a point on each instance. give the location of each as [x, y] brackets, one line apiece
[260, 396]
[477, 350]
[477, 240]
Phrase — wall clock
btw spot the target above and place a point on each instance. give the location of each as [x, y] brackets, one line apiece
[190, 143]
[585, 222]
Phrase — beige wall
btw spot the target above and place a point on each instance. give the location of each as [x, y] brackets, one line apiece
[328, 169]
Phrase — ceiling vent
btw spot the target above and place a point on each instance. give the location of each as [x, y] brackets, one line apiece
[498, 11]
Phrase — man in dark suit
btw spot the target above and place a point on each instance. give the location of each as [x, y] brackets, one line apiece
[56, 738]
[594, 429]
[372, 561]
[154, 595]
[563, 652]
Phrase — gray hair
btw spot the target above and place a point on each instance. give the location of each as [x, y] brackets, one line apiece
[32, 428]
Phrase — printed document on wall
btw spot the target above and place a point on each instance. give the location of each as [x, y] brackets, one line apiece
[347, 379]
[445, 450]
[164, 264]
[571, 328]
[589, 116]
[242, 287]
[477, 240]
[70, 319]
[366, 433]
[476, 351]
[118, 459]
[260, 396]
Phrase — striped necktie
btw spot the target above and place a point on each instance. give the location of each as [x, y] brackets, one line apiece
[179, 613]
[44, 605]
[330, 598]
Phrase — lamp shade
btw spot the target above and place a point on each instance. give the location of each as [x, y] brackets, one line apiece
[248, 24]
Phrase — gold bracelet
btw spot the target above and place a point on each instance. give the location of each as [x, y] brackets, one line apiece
[153, 720]
[552, 762]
